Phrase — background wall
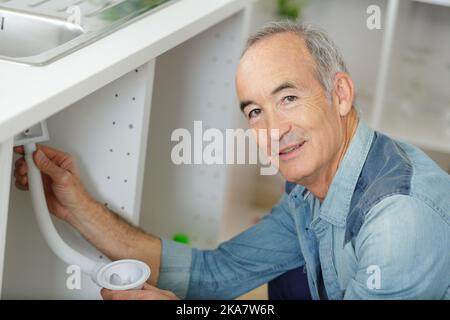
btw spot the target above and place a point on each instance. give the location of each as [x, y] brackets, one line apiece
[417, 95]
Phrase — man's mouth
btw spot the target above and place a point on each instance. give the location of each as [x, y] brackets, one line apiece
[289, 151]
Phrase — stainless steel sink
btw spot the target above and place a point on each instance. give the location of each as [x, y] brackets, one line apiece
[38, 32]
[24, 35]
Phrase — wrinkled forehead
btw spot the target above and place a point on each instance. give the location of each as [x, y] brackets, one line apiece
[281, 57]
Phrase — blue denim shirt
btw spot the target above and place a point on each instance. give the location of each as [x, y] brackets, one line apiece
[382, 232]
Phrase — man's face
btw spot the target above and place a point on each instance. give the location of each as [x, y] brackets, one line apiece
[278, 89]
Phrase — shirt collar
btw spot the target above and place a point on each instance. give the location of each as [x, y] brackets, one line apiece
[336, 205]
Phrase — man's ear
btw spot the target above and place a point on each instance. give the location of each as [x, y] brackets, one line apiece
[343, 93]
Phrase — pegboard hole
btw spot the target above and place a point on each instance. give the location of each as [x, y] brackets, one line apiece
[114, 123]
[134, 99]
[130, 126]
[111, 150]
[117, 95]
[125, 181]
[108, 177]
[128, 154]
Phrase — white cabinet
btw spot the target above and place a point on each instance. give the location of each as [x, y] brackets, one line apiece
[120, 136]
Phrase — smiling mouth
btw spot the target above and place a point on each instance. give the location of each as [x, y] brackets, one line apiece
[291, 149]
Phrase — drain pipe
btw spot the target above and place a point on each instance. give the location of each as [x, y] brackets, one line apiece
[124, 274]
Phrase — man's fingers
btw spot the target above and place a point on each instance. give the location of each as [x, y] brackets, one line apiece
[159, 293]
[21, 169]
[148, 293]
[60, 158]
[19, 150]
[149, 287]
[153, 288]
[21, 187]
[20, 162]
[120, 295]
[48, 167]
[117, 295]
[52, 153]
[106, 294]
[21, 178]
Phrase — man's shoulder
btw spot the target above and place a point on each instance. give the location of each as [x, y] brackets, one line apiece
[394, 169]
[399, 207]
[397, 168]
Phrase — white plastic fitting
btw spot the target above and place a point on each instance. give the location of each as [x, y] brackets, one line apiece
[118, 275]
[55, 242]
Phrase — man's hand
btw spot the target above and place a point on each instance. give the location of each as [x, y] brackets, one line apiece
[147, 293]
[64, 191]
[67, 199]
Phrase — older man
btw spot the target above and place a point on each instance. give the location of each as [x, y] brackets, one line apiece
[366, 216]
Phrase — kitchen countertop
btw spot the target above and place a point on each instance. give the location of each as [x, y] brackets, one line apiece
[30, 94]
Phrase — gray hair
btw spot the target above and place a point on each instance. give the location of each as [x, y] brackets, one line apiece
[326, 54]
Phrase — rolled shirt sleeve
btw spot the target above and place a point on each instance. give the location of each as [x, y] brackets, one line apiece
[176, 260]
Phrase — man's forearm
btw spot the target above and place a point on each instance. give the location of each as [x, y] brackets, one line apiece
[117, 238]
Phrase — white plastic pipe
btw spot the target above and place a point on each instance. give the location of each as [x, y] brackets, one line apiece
[126, 274]
[56, 243]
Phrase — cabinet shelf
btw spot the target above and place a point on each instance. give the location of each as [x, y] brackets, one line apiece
[415, 103]
[445, 3]
[431, 129]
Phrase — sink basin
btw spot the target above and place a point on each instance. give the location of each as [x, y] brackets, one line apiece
[38, 32]
[23, 35]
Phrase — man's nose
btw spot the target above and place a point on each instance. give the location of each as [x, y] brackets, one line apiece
[277, 127]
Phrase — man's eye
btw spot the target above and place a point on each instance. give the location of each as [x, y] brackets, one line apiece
[254, 113]
[290, 99]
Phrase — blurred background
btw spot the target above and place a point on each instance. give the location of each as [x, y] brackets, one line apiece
[402, 78]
